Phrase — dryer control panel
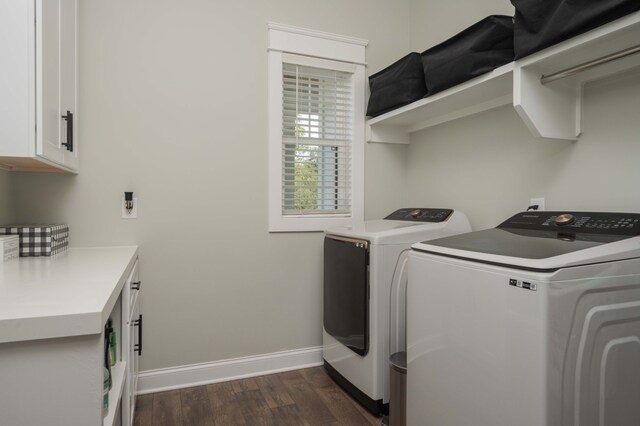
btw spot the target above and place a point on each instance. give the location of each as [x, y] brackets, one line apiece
[419, 214]
[627, 224]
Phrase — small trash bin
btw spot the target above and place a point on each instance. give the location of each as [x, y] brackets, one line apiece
[398, 390]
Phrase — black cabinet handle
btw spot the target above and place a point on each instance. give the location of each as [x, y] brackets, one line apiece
[136, 285]
[69, 118]
[138, 346]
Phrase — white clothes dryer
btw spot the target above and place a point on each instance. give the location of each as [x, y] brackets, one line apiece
[533, 323]
[364, 283]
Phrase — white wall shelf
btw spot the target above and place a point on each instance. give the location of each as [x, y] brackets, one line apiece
[552, 110]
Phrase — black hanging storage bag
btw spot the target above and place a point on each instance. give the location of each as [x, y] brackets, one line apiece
[483, 47]
[397, 85]
[543, 23]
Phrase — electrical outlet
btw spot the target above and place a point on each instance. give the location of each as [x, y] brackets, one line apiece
[537, 201]
[133, 214]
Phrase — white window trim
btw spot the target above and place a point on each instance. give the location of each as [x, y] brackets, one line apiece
[283, 40]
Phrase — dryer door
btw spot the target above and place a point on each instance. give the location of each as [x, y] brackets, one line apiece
[346, 292]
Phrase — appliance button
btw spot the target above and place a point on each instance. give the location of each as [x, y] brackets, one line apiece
[565, 219]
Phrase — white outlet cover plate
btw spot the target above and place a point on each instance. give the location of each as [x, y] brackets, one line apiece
[134, 211]
[539, 202]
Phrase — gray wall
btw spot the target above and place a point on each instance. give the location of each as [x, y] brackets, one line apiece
[6, 198]
[173, 107]
[492, 165]
[489, 165]
[433, 21]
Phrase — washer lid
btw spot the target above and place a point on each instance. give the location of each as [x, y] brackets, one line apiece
[547, 240]
[407, 229]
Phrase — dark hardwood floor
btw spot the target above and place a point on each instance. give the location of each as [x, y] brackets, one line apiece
[300, 397]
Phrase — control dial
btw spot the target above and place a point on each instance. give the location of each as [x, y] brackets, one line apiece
[565, 219]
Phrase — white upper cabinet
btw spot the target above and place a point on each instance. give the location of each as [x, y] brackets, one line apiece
[38, 85]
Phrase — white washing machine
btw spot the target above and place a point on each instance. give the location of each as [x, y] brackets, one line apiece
[533, 323]
[364, 270]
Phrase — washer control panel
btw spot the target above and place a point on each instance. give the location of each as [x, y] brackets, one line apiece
[577, 222]
[419, 214]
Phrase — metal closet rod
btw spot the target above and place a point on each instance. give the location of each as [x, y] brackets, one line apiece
[588, 65]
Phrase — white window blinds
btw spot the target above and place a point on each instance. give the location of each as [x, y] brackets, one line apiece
[317, 136]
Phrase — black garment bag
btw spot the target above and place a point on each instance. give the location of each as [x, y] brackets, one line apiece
[542, 23]
[482, 47]
[397, 85]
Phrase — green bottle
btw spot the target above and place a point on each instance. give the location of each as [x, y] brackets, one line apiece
[112, 348]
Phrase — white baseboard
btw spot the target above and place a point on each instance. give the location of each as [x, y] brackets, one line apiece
[221, 371]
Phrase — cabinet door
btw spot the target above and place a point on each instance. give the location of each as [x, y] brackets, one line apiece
[48, 78]
[68, 79]
[17, 78]
[56, 65]
[134, 355]
[131, 335]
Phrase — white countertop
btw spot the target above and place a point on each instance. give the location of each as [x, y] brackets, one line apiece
[69, 294]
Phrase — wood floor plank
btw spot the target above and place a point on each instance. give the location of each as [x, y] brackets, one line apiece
[295, 398]
[242, 385]
[366, 413]
[317, 377]
[274, 391]
[166, 409]
[262, 417]
[196, 407]
[343, 407]
[225, 408]
[307, 400]
[251, 401]
[229, 418]
[289, 415]
[144, 410]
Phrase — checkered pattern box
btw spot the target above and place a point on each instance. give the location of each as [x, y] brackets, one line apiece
[39, 240]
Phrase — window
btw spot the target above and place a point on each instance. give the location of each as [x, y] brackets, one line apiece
[316, 132]
[317, 122]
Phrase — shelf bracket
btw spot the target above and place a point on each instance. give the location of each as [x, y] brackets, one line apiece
[387, 134]
[549, 112]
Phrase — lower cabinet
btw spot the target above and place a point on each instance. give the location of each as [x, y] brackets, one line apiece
[54, 382]
[128, 324]
[59, 381]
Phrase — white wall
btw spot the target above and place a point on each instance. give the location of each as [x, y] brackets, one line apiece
[489, 165]
[173, 107]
